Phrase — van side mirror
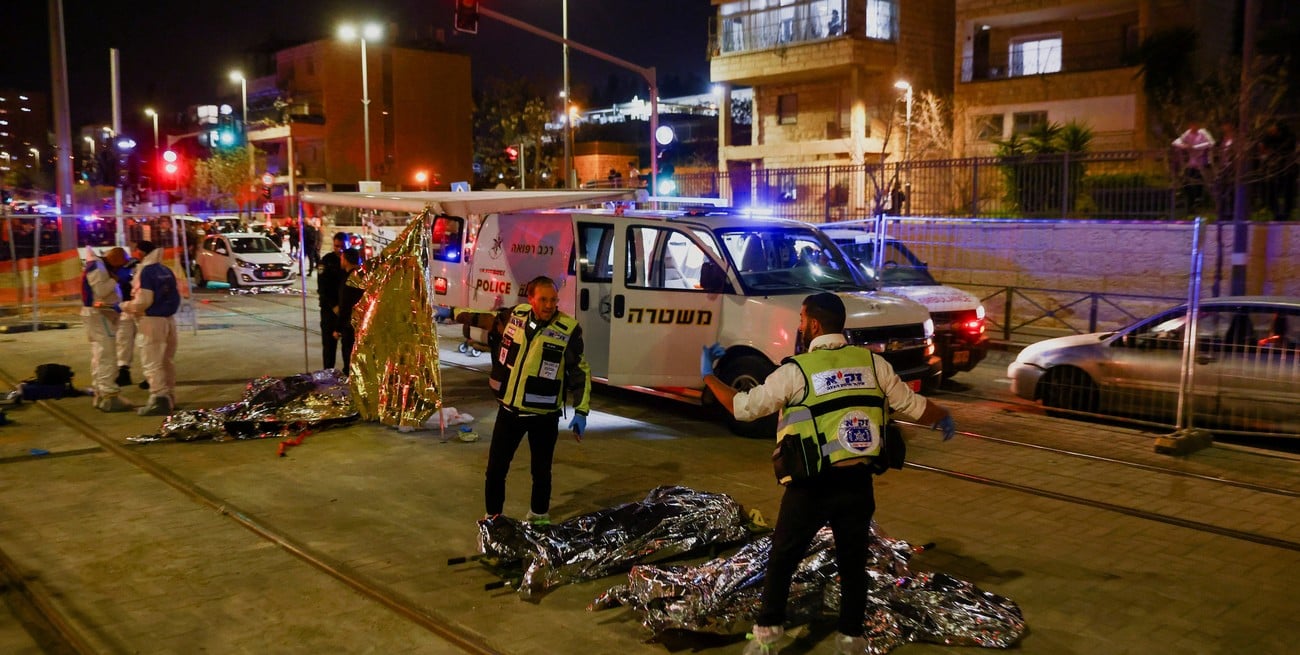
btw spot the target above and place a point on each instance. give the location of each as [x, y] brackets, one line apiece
[712, 277]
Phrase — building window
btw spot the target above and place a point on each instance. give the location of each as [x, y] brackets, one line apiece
[1035, 55]
[1022, 122]
[988, 127]
[787, 109]
[882, 19]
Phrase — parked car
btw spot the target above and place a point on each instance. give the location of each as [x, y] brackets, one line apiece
[243, 259]
[1245, 371]
[959, 325]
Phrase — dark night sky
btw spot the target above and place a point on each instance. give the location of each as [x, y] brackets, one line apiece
[176, 53]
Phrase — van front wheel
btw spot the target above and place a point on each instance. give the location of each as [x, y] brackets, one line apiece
[743, 374]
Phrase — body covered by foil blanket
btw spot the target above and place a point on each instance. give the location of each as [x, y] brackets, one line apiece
[270, 407]
[670, 521]
[722, 596]
[395, 378]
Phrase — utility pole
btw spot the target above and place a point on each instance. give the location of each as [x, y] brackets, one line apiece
[1241, 162]
[62, 125]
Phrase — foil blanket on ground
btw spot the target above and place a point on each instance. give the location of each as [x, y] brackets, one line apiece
[723, 596]
[270, 407]
[395, 378]
[670, 521]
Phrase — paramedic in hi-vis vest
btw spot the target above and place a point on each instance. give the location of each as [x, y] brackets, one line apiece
[536, 361]
[835, 399]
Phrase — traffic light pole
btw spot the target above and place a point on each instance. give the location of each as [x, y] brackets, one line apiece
[120, 240]
[647, 73]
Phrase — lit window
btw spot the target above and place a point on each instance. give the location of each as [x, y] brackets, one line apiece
[881, 16]
[1035, 55]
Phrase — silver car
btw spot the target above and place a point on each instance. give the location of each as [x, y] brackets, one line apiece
[1245, 372]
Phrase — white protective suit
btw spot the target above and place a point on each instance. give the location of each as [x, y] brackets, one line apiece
[158, 335]
[101, 326]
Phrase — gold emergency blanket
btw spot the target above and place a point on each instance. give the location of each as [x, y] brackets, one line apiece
[395, 377]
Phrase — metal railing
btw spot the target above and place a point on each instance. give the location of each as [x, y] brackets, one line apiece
[1112, 185]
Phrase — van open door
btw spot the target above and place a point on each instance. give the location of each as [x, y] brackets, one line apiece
[647, 304]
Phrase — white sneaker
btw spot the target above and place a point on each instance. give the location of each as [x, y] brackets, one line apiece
[764, 640]
[846, 645]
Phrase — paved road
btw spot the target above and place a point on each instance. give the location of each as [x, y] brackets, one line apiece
[1107, 546]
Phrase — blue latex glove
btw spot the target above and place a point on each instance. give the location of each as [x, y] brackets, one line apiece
[441, 313]
[709, 354]
[578, 424]
[947, 426]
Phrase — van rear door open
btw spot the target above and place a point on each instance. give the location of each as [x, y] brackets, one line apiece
[511, 250]
[640, 300]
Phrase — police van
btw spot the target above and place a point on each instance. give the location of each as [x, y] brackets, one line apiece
[652, 288]
[959, 321]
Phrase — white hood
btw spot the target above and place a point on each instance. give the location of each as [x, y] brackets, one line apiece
[937, 298]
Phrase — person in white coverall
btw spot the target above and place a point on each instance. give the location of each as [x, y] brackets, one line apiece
[155, 298]
[126, 329]
[100, 300]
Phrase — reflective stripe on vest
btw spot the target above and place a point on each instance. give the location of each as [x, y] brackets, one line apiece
[843, 408]
[533, 368]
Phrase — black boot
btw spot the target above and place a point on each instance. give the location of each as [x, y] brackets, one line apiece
[123, 376]
[144, 384]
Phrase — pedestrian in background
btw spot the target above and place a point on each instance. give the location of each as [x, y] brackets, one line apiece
[155, 298]
[101, 311]
[349, 296]
[538, 362]
[834, 400]
[311, 241]
[1194, 147]
[327, 290]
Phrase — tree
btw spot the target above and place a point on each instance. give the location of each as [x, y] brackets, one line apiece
[221, 180]
[1032, 164]
[512, 113]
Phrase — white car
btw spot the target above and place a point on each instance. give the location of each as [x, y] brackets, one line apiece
[243, 259]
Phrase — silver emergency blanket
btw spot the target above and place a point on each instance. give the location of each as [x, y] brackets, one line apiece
[670, 521]
[723, 596]
[395, 378]
[270, 407]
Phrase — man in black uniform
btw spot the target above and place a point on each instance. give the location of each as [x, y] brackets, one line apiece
[327, 288]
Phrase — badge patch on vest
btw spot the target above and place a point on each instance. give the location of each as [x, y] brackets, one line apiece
[858, 377]
[857, 433]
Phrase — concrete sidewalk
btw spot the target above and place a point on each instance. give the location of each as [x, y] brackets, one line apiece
[141, 567]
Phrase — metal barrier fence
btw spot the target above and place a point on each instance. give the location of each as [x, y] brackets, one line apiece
[1231, 367]
[1115, 185]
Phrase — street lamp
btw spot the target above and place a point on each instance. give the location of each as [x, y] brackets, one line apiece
[236, 76]
[371, 31]
[906, 87]
[423, 178]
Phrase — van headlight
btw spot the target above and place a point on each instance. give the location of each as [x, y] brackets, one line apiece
[929, 328]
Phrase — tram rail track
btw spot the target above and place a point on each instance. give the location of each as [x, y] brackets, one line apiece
[412, 611]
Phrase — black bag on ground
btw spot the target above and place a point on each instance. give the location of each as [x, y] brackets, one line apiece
[53, 374]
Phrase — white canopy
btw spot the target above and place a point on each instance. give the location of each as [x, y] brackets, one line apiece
[464, 203]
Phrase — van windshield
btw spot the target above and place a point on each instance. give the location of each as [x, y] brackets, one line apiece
[782, 259]
[900, 267]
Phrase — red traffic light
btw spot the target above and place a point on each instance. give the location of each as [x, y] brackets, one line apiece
[512, 153]
[467, 16]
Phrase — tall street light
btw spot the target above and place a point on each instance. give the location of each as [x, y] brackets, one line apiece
[372, 32]
[236, 76]
[154, 177]
[906, 87]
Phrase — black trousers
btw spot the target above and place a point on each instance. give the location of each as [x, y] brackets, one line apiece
[347, 339]
[329, 344]
[842, 496]
[542, 431]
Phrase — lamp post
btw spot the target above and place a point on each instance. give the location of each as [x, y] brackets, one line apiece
[423, 178]
[906, 87]
[236, 76]
[154, 115]
[370, 31]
